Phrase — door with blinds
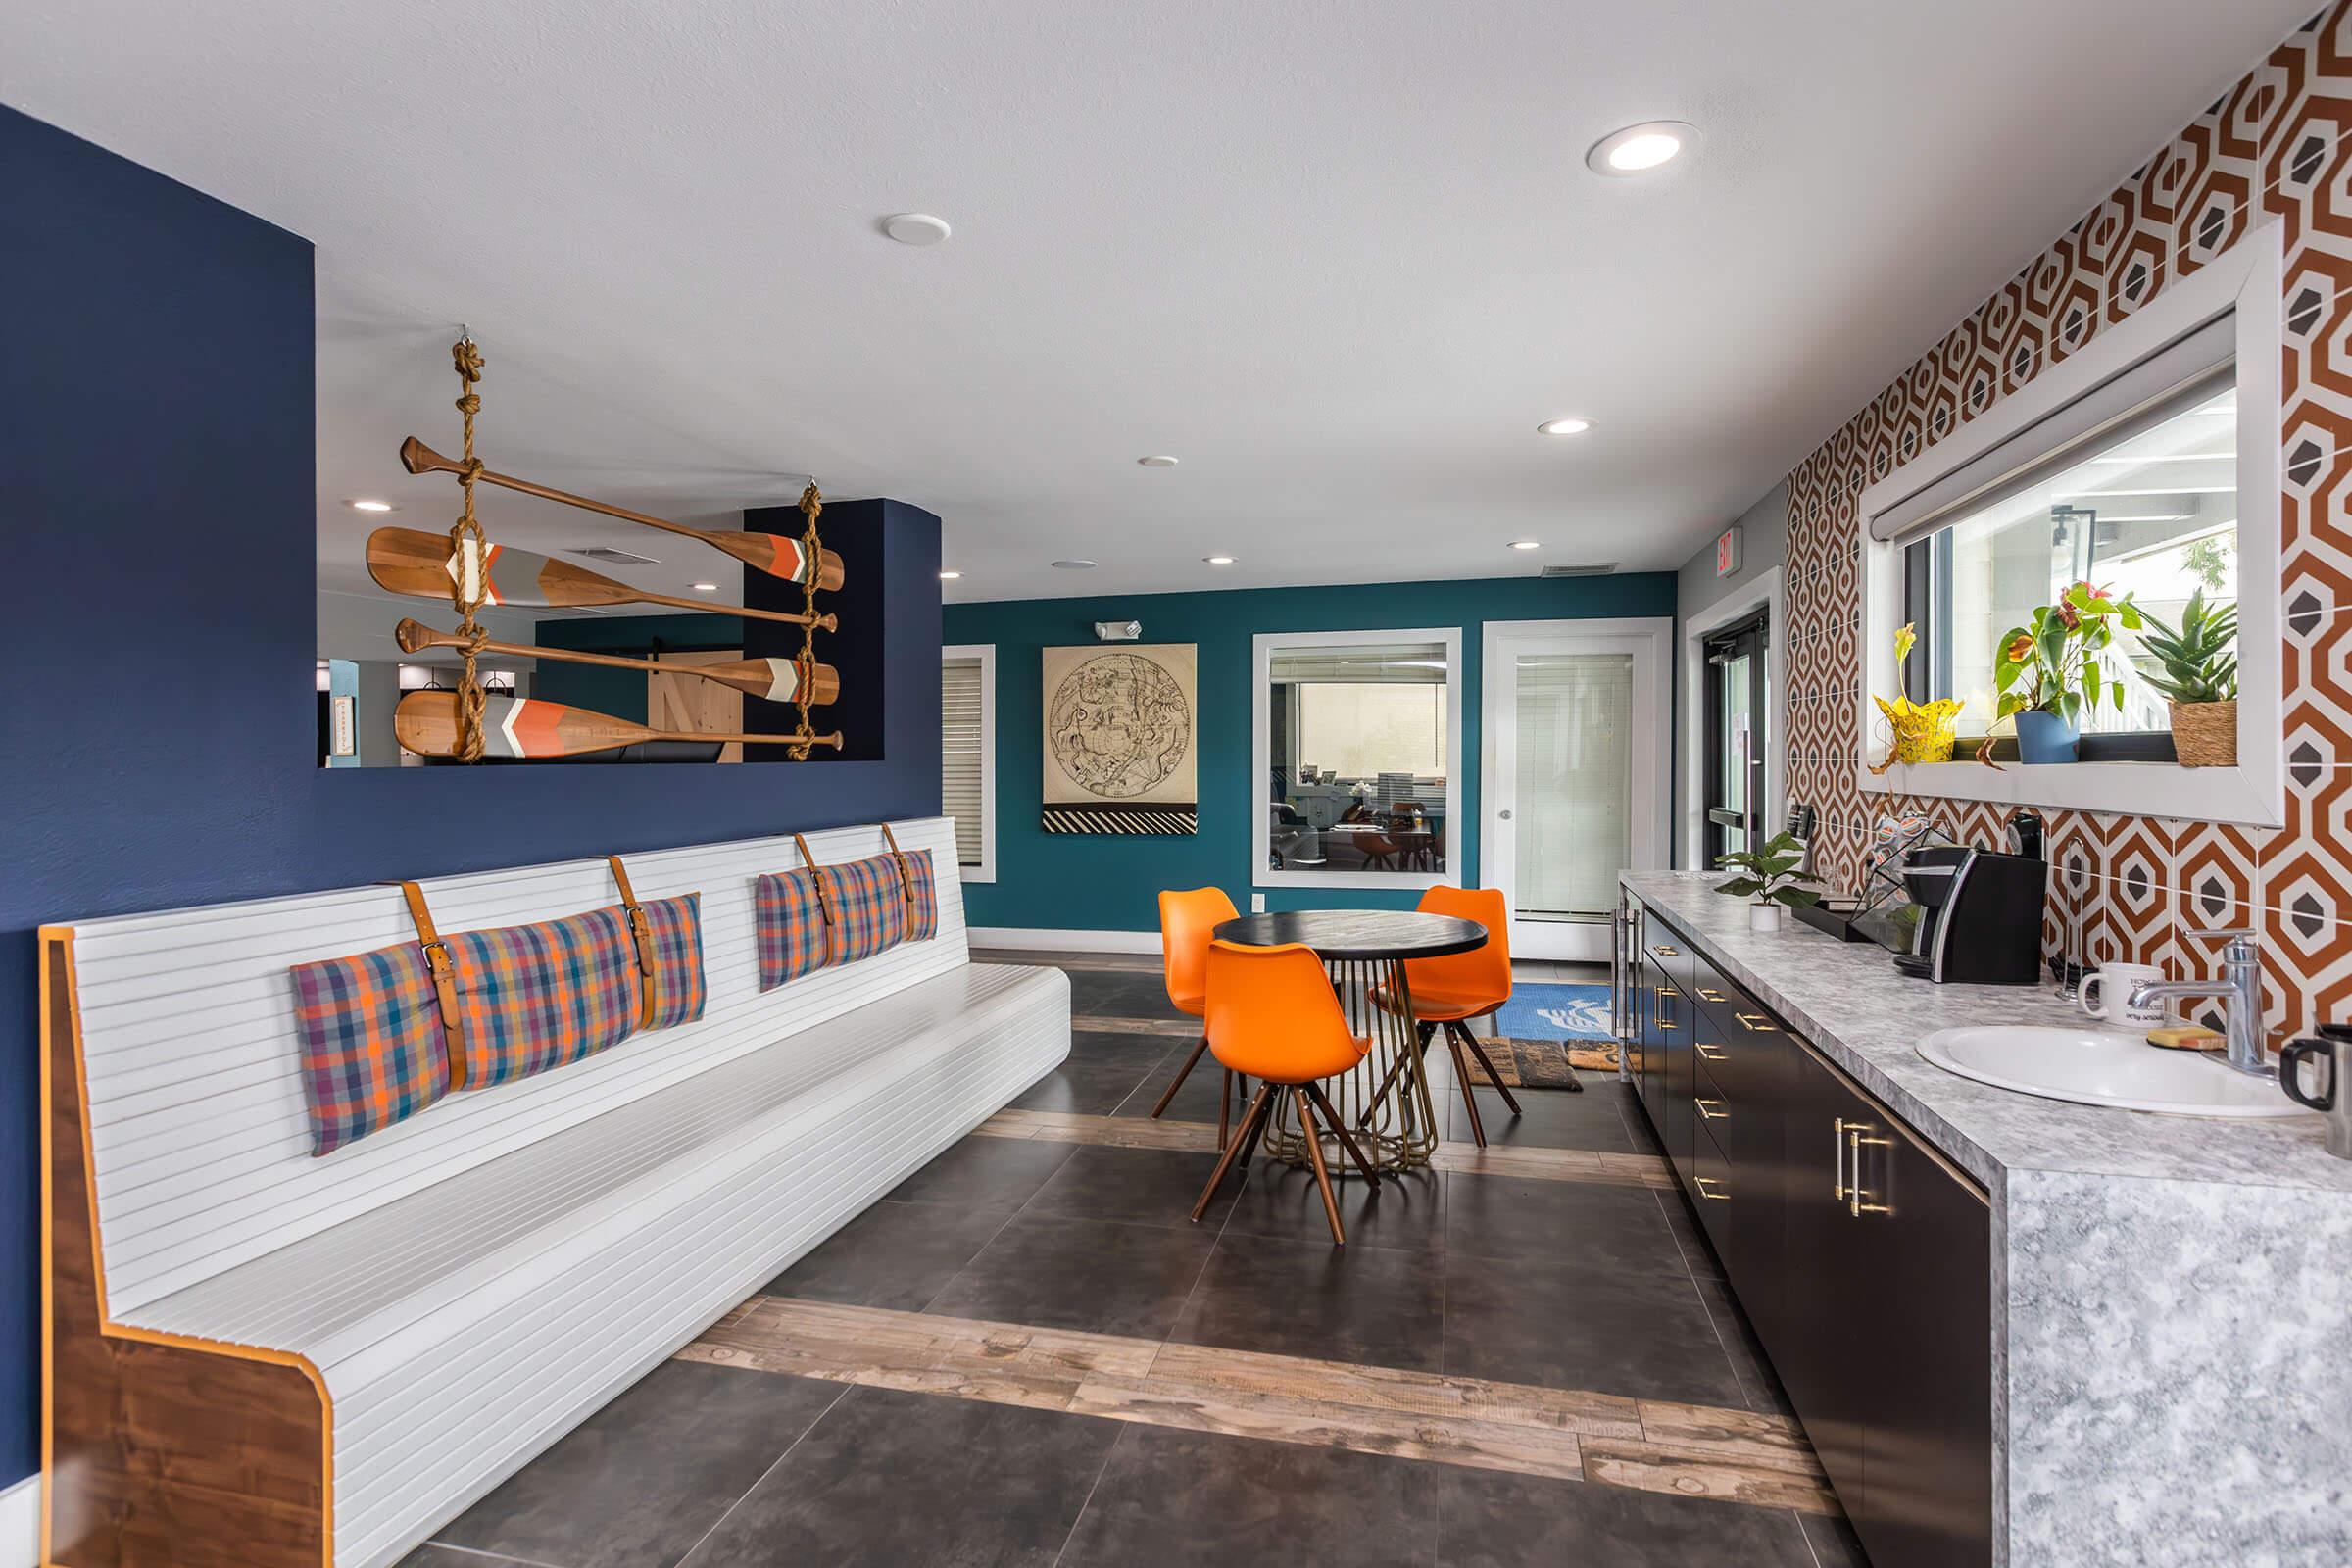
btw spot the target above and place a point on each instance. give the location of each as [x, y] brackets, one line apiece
[1576, 750]
[967, 756]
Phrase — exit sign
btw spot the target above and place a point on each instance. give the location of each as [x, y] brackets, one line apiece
[1727, 552]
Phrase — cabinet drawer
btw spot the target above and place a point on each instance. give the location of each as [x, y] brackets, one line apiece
[1713, 1106]
[1712, 1190]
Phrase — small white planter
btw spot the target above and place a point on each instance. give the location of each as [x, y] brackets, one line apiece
[1764, 917]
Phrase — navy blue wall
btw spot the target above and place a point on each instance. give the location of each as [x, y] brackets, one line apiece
[156, 480]
[1112, 883]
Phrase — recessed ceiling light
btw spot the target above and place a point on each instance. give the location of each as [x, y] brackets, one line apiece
[1158, 460]
[371, 505]
[1526, 544]
[705, 587]
[1567, 427]
[915, 228]
[1218, 561]
[950, 577]
[1639, 149]
[1073, 565]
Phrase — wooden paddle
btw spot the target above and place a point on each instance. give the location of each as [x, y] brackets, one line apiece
[771, 553]
[406, 561]
[776, 679]
[426, 723]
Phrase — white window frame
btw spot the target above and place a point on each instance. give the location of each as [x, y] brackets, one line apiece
[2248, 279]
[1261, 725]
[984, 654]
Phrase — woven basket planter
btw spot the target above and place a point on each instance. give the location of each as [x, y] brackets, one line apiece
[2205, 734]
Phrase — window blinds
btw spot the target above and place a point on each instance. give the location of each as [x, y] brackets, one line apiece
[962, 737]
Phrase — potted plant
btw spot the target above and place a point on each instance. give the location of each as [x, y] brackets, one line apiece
[1770, 881]
[1922, 731]
[2056, 668]
[2199, 680]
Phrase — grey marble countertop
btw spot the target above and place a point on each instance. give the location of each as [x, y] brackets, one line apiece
[1848, 1002]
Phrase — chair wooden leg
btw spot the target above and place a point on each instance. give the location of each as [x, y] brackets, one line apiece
[1224, 1107]
[1331, 1117]
[1314, 1156]
[1182, 1073]
[1470, 1043]
[1462, 1073]
[1250, 1124]
[1246, 1137]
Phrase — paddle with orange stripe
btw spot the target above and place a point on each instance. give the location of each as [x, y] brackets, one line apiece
[526, 728]
[778, 681]
[423, 566]
[771, 552]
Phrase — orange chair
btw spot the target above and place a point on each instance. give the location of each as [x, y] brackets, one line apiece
[1186, 920]
[1273, 1016]
[1448, 992]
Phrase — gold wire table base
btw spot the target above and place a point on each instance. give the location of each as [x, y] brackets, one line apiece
[1383, 1102]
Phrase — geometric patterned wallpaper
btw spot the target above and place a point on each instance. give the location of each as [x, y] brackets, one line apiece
[2137, 887]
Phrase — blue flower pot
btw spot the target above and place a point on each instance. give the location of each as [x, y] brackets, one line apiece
[2046, 738]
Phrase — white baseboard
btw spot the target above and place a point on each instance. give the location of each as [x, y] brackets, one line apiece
[1033, 939]
[20, 1524]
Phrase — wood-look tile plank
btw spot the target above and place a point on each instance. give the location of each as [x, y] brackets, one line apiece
[1104, 1023]
[1475, 1423]
[1692, 1472]
[1124, 963]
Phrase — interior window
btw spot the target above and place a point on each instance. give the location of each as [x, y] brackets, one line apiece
[1358, 738]
[2149, 509]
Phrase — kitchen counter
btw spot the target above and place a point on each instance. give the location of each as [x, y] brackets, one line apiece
[2170, 1294]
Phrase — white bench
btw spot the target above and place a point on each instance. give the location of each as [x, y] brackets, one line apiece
[261, 1357]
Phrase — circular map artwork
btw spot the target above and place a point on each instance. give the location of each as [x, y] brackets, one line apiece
[1119, 725]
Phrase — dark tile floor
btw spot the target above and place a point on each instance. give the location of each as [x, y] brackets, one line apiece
[1573, 1285]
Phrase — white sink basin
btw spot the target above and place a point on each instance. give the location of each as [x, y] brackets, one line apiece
[2095, 1067]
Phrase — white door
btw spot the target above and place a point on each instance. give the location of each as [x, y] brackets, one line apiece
[1576, 752]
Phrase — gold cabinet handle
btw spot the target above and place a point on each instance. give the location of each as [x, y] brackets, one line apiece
[1664, 951]
[1838, 1148]
[1706, 994]
[1755, 1022]
[1856, 1143]
[1707, 1051]
[1701, 1183]
[1718, 1114]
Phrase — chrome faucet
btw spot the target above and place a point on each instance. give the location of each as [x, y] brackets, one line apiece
[2240, 990]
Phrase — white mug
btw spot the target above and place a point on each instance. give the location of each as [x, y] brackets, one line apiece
[2116, 982]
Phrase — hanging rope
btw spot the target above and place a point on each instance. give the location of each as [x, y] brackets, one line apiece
[812, 503]
[469, 580]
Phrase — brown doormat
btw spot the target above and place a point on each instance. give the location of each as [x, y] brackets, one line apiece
[1545, 1064]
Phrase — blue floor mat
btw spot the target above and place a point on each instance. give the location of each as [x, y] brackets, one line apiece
[1555, 1012]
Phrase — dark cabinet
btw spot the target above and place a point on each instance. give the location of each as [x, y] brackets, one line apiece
[1861, 1255]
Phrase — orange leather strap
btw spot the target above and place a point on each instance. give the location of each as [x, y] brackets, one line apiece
[824, 905]
[641, 930]
[905, 879]
[445, 981]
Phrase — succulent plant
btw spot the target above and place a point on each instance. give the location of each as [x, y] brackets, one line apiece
[2199, 658]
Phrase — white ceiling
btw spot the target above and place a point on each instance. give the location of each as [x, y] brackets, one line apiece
[1339, 258]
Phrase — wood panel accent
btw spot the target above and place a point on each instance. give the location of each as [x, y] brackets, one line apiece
[1468, 1159]
[697, 707]
[156, 1451]
[1568, 1433]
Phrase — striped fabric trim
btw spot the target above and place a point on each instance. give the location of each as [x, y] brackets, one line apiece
[680, 987]
[1155, 819]
[539, 997]
[372, 1049]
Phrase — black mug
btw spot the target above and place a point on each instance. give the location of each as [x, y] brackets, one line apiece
[2332, 1048]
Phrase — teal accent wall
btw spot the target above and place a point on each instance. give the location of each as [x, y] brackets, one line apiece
[1049, 881]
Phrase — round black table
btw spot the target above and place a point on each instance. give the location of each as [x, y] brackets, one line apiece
[1386, 1102]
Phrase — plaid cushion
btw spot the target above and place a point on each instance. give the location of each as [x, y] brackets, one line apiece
[791, 927]
[868, 904]
[923, 910]
[538, 996]
[372, 1051]
[679, 989]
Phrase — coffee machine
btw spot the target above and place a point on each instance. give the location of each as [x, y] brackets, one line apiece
[1980, 916]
